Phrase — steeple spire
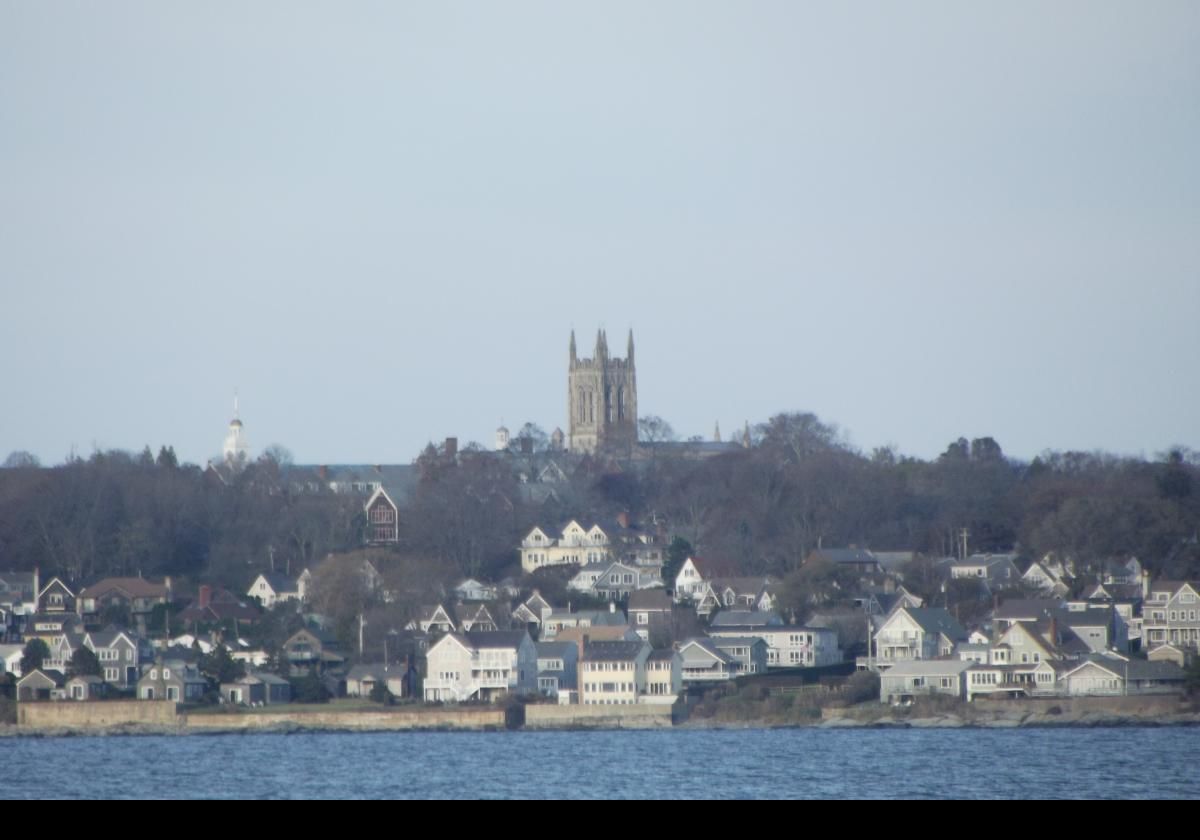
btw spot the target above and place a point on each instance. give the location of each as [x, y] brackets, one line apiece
[629, 349]
[574, 357]
[717, 433]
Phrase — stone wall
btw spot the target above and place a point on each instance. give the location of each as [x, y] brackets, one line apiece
[381, 721]
[598, 717]
[66, 714]
[1142, 706]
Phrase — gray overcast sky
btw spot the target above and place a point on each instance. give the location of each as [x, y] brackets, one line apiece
[379, 221]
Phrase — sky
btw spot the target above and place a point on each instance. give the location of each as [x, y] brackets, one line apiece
[378, 222]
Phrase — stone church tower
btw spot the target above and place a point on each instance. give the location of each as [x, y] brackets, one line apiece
[602, 398]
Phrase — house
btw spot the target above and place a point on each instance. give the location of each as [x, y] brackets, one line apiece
[480, 666]
[56, 597]
[1009, 682]
[135, 596]
[701, 661]
[1169, 653]
[1049, 577]
[216, 606]
[49, 626]
[858, 560]
[312, 648]
[532, 611]
[749, 652]
[789, 645]
[172, 680]
[917, 634]
[884, 603]
[1100, 676]
[120, 653]
[574, 545]
[362, 680]
[10, 659]
[474, 618]
[472, 590]
[383, 518]
[274, 588]
[650, 611]
[995, 569]
[40, 685]
[1171, 615]
[1017, 610]
[734, 593]
[664, 678]
[613, 673]
[907, 680]
[557, 620]
[582, 636]
[558, 667]
[257, 689]
[620, 580]
[435, 619]
[894, 563]
[85, 688]
[695, 573]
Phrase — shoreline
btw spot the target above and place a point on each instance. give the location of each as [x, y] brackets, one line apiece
[297, 725]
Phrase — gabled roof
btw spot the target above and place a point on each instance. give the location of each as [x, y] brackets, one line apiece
[613, 651]
[708, 646]
[553, 650]
[652, 600]
[937, 620]
[710, 568]
[846, 556]
[497, 639]
[279, 583]
[745, 618]
[928, 667]
[1025, 609]
[134, 587]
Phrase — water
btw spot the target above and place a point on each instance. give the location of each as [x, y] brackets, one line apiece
[689, 764]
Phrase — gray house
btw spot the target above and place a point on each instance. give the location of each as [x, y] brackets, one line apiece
[257, 689]
[557, 664]
[172, 681]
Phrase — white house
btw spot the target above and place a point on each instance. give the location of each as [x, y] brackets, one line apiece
[484, 666]
[916, 678]
[917, 634]
[574, 546]
[10, 659]
[272, 588]
[472, 590]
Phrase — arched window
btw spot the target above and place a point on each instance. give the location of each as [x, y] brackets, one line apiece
[620, 403]
[608, 404]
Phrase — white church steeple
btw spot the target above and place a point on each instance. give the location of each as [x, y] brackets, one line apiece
[236, 450]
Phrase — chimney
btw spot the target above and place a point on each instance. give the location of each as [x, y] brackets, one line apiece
[612, 607]
[205, 596]
[623, 519]
[451, 447]
[323, 472]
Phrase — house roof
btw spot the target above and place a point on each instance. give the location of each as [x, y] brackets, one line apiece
[280, 583]
[134, 587]
[594, 634]
[377, 672]
[937, 620]
[1025, 609]
[928, 667]
[651, 600]
[613, 651]
[497, 639]
[847, 556]
[550, 650]
[745, 618]
[709, 647]
[663, 655]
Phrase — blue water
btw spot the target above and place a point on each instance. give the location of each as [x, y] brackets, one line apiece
[689, 764]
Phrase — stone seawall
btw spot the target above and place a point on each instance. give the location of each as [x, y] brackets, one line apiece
[65, 714]
[465, 719]
[1143, 705]
[598, 717]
